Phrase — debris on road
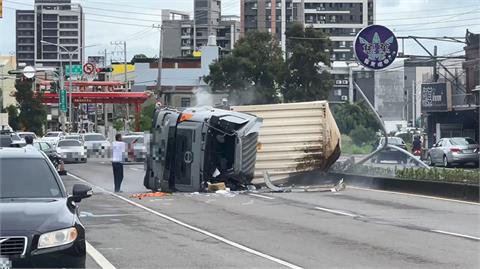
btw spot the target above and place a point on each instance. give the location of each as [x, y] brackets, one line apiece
[339, 186]
[213, 187]
[149, 194]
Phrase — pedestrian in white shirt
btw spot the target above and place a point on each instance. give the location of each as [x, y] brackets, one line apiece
[118, 151]
[29, 142]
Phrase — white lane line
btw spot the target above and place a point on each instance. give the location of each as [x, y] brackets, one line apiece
[135, 169]
[209, 234]
[261, 196]
[456, 234]
[336, 212]
[415, 195]
[98, 257]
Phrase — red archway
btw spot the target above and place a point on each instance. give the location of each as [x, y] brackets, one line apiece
[136, 98]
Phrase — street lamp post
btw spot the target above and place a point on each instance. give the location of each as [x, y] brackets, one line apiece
[70, 56]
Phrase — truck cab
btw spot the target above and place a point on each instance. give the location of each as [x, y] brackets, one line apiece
[191, 147]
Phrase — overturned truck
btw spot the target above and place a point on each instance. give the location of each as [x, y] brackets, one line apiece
[198, 145]
[194, 146]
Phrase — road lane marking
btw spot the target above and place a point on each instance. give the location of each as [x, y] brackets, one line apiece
[415, 195]
[193, 228]
[457, 234]
[98, 257]
[261, 196]
[135, 169]
[336, 212]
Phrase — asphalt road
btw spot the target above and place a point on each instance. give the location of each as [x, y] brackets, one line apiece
[355, 228]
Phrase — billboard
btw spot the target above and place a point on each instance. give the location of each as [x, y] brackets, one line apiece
[96, 60]
[436, 97]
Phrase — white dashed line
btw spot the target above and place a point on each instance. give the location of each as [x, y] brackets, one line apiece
[98, 257]
[193, 228]
[261, 196]
[456, 234]
[336, 212]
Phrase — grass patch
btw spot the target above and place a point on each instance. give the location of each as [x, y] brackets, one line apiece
[348, 147]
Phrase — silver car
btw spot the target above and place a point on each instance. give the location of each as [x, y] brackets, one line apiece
[97, 145]
[458, 150]
[136, 146]
[71, 151]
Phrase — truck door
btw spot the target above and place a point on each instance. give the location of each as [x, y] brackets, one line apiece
[188, 156]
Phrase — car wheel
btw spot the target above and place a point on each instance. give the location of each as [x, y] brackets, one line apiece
[429, 161]
[445, 161]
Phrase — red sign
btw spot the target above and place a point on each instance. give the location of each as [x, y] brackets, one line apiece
[88, 68]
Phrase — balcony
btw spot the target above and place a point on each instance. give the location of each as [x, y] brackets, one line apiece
[464, 101]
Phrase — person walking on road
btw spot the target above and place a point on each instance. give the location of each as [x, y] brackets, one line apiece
[29, 142]
[118, 151]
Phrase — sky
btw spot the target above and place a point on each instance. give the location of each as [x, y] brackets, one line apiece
[131, 21]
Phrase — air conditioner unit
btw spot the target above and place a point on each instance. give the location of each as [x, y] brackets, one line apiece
[338, 81]
[344, 98]
[345, 82]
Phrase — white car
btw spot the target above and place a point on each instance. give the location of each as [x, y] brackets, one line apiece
[53, 137]
[71, 150]
[25, 134]
[97, 145]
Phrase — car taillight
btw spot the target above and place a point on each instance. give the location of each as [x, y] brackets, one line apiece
[455, 150]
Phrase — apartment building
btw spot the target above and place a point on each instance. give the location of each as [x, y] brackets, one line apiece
[54, 21]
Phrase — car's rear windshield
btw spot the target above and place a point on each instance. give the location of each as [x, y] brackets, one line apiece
[75, 137]
[462, 141]
[94, 137]
[27, 134]
[393, 141]
[27, 178]
[69, 143]
[15, 137]
[52, 134]
[129, 139]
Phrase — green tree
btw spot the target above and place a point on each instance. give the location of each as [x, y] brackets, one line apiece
[147, 115]
[307, 49]
[253, 74]
[350, 116]
[361, 135]
[33, 113]
[13, 119]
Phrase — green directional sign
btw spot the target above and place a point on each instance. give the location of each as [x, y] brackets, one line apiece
[77, 69]
[62, 100]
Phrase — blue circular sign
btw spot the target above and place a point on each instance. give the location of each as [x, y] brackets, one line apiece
[376, 47]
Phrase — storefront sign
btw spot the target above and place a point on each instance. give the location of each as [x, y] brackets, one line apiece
[376, 47]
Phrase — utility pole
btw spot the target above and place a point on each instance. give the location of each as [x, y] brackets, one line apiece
[61, 85]
[414, 117]
[435, 68]
[127, 121]
[160, 63]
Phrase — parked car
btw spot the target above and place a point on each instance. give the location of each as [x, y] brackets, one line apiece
[39, 221]
[78, 137]
[96, 144]
[52, 154]
[458, 150]
[389, 154]
[137, 150]
[22, 135]
[10, 139]
[53, 137]
[72, 151]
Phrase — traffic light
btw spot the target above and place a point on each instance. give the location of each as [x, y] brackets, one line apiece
[104, 70]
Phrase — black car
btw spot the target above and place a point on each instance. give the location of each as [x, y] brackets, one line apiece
[51, 153]
[10, 139]
[39, 221]
[390, 154]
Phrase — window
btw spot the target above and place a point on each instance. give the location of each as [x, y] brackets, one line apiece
[337, 92]
[69, 143]
[27, 178]
[185, 102]
[333, 18]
